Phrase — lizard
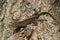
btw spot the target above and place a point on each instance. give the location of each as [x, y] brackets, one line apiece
[23, 24]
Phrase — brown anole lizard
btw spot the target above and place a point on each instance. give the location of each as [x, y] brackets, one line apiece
[23, 24]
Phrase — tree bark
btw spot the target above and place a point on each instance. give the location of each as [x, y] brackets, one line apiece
[14, 11]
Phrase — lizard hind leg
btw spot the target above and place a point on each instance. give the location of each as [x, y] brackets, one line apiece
[35, 22]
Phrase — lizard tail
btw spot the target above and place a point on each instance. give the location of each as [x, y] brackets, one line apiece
[44, 13]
